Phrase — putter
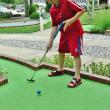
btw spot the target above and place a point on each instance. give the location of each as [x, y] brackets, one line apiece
[31, 79]
[54, 36]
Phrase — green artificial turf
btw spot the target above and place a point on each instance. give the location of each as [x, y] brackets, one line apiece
[19, 94]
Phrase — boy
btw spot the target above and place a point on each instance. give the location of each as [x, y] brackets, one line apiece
[71, 35]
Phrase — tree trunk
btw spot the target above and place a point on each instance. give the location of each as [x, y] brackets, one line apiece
[26, 8]
[31, 2]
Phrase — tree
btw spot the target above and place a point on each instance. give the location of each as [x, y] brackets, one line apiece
[48, 6]
[8, 1]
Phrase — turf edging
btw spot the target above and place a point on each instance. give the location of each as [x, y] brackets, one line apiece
[86, 75]
[3, 81]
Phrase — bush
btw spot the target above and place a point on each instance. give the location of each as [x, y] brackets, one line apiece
[97, 29]
[8, 1]
[95, 68]
[34, 15]
[32, 9]
[48, 6]
[5, 15]
[69, 61]
[13, 6]
[106, 7]
[98, 68]
[2, 72]
[48, 25]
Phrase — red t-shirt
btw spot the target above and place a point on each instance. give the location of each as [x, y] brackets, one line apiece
[66, 10]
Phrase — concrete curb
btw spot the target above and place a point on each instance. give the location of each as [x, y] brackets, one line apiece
[94, 77]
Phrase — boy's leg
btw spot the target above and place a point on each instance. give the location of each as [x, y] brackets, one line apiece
[59, 71]
[77, 67]
[61, 61]
[77, 79]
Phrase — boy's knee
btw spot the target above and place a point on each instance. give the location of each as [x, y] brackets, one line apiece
[77, 57]
[62, 54]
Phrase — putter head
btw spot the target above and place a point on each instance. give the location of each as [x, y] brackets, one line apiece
[31, 80]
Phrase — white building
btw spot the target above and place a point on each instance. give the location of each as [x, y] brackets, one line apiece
[108, 2]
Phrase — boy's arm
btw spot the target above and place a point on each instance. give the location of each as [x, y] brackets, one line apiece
[49, 45]
[73, 19]
[54, 28]
[75, 8]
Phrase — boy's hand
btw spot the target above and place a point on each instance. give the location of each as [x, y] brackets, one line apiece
[67, 23]
[49, 45]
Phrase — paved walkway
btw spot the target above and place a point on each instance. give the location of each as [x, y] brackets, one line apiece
[28, 46]
[19, 23]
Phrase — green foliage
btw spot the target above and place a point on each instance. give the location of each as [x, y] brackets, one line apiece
[5, 15]
[98, 68]
[95, 1]
[13, 6]
[47, 25]
[34, 60]
[85, 19]
[101, 20]
[69, 61]
[50, 60]
[8, 1]
[34, 15]
[97, 29]
[2, 72]
[106, 7]
[33, 8]
[33, 12]
[48, 6]
[19, 2]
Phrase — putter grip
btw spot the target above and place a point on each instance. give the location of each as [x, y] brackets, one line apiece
[58, 29]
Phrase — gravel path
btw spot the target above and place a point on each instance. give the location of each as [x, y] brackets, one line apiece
[95, 51]
[96, 36]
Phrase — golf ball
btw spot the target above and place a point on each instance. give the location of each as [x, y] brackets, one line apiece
[38, 92]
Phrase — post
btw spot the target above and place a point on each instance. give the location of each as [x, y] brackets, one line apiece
[109, 2]
[26, 8]
[92, 9]
[31, 2]
[98, 2]
[41, 18]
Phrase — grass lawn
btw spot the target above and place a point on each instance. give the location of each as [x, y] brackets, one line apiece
[101, 20]
[98, 15]
[19, 1]
[24, 29]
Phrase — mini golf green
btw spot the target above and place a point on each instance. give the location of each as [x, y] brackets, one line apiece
[18, 94]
